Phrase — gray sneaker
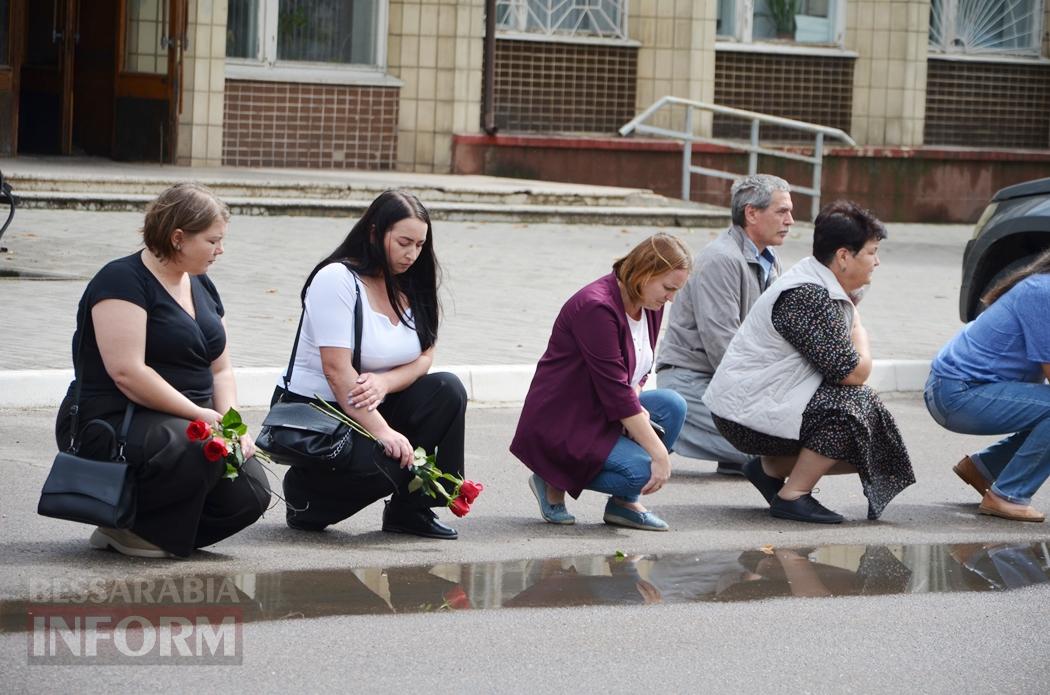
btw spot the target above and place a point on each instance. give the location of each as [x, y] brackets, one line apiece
[125, 542]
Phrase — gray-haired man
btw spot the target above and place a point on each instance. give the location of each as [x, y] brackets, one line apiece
[727, 277]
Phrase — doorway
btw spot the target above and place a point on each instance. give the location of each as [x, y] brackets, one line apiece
[101, 78]
[67, 76]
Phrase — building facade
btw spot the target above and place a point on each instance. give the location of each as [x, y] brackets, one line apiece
[390, 84]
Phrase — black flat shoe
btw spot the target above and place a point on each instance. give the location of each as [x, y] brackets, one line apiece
[805, 508]
[763, 482]
[416, 522]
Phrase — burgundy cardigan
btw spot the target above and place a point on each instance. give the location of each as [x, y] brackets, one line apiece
[582, 388]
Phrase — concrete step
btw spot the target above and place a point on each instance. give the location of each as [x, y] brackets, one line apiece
[576, 212]
[83, 183]
[295, 188]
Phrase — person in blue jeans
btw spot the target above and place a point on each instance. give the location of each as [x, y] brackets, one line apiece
[991, 379]
[586, 423]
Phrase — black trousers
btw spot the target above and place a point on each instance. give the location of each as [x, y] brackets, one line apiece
[431, 413]
[183, 500]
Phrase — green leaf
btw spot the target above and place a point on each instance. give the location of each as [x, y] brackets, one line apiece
[231, 420]
[415, 484]
[231, 471]
[241, 430]
[239, 453]
[620, 555]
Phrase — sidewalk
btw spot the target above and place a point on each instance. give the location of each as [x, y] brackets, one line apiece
[503, 286]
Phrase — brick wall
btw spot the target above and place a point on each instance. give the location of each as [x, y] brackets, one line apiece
[987, 104]
[547, 86]
[815, 89]
[285, 124]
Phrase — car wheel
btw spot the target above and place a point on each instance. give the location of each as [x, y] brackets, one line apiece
[1004, 272]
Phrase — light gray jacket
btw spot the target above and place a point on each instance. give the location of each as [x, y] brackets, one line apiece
[725, 283]
[764, 383]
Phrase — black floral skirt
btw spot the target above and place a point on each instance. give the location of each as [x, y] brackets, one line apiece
[847, 423]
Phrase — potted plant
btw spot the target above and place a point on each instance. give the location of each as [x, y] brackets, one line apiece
[782, 14]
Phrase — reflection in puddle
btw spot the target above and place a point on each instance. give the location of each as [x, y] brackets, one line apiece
[616, 580]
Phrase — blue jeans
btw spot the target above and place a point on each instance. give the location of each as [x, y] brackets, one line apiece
[1017, 465]
[629, 467]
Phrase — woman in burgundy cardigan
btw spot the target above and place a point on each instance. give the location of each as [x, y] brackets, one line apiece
[586, 424]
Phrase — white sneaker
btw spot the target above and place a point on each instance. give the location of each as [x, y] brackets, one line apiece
[125, 542]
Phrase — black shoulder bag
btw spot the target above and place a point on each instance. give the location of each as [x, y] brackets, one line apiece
[296, 433]
[101, 493]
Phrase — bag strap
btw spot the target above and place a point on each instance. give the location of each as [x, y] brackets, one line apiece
[355, 359]
[74, 411]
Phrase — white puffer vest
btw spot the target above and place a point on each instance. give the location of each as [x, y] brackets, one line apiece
[764, 383]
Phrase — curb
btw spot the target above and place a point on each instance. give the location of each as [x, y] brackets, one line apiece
[488, 384]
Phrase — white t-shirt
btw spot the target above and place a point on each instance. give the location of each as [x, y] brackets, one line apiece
[329, 322]
[643, 351]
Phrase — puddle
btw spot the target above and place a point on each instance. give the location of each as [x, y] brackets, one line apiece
[612, 580]
[16, 274]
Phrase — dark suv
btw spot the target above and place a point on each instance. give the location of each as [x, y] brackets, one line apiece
[1012, 231]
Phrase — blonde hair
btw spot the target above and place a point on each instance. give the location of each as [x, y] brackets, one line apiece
[190, 207]
[661, 253]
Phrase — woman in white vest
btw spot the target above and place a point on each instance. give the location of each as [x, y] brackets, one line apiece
[791, 385]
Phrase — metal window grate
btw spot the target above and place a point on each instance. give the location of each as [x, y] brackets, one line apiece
[814, 89]
[987, 104]
[605, 18]
[562, 87]
[1009, 27]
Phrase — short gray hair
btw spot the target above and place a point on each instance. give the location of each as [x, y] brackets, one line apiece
[755, 190]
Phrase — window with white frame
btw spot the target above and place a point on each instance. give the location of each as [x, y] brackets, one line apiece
[600, 18]
[798, 21]
[1006, 27]
[328, 33]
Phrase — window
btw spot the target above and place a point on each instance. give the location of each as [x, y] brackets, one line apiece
[144, 47]
[601, 18]
[1010, 27]
[329, 32]
[798, 21]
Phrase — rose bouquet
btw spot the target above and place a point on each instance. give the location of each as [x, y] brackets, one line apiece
[428, 476]
[222, 441]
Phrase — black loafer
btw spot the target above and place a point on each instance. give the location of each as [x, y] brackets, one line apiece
[729, 468]
[805, 508]
[763, 482]
[416, 522]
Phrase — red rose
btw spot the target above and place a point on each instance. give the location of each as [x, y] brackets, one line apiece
[216, 450]
[470, 490]
[198, 430]
[456, 598]
[459, 506]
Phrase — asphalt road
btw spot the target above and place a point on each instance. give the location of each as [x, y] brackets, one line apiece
[937, 643]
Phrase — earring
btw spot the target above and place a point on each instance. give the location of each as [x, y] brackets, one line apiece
[178, 247]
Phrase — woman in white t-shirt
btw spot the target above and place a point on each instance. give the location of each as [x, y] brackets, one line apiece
[389, 256]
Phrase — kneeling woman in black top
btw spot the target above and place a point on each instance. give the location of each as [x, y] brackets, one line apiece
[150, 332]
[388, 261]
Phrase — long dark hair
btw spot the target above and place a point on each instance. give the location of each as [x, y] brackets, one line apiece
[1040, 265]
[363, 247]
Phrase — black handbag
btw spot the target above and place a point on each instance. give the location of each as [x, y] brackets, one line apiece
[101, 493]
[296, 433]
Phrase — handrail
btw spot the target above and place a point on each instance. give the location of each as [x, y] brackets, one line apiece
[638, 125]
[6, 196]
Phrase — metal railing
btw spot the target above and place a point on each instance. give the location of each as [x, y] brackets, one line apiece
[753, 148]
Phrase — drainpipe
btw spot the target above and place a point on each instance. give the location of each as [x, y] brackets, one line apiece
[488, 110]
